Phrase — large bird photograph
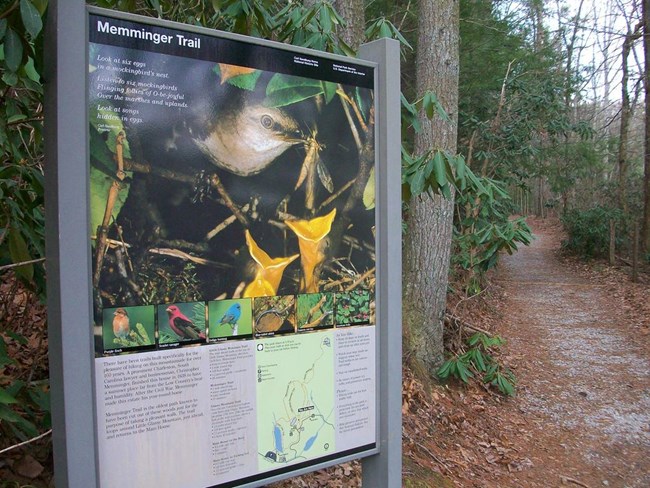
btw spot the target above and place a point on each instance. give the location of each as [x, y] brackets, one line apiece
[213, 181]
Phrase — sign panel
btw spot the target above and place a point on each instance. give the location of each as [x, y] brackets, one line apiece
[232, 204]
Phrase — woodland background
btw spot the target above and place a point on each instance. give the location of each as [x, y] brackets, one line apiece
[510, 108]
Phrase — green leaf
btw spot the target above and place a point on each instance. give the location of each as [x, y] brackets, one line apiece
[112, 126]
[3, 28]
[285, 90]
[9, 415]
[31, 72]
[6, 398]
[155, 4]
[369, 191]
[13, 50]
[463, 372]
[417, 183]
[31, 18]
[478, 360]
[16, 118]
[19, 253]
[10, 78]
[247, 81]
[439, 169]
[445, 369]
[329, 88]
[100, 184]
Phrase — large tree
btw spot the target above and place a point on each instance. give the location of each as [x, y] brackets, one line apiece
[428, 241]
[646, 183]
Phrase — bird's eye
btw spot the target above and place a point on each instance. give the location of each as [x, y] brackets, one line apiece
[266, 121]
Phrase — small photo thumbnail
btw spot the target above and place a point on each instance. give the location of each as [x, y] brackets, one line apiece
[274, 315]
[128, 328]
[353, 308]
[181, 324]
[230, 319]
[315, 310]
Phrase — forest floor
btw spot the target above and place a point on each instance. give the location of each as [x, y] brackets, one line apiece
[578, 340]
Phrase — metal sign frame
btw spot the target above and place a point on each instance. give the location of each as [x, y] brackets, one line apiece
[69, 260]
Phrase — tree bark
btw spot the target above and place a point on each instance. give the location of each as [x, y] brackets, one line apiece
[428, 241]
[354, 14]
[645, 234]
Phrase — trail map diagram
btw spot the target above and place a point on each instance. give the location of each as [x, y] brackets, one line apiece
[295, 399]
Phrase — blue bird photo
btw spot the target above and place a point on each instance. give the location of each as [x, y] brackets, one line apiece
[231, 317]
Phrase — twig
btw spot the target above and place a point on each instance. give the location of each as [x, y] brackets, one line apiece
[7, 12]
[239, 290]
[468, 298]
[467, 325]
[5, 231]
[23, 263]
[224, 224]
[334, 196]
[175, 253]
[434, 457]
[356, 283]
[112, 243]
[315, 308]
[124, 248]
[111, 199]
[624, 261]
[353, 126]
[354, 106]
[566, 479]
[25, 121]
[216, 182]
[316, 322]
[29, 441]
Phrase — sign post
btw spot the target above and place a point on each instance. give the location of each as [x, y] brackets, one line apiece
[223, 263]
[385, 469]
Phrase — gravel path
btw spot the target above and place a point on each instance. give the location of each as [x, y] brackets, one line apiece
[583, 374]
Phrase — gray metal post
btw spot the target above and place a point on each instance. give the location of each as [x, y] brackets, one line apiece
[384, 470]
[68, 250]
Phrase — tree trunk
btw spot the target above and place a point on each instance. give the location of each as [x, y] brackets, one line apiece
[645, 235]
[428, 241]
[353, 12]
[626, 113]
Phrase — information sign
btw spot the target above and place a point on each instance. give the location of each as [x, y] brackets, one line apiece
[232, 221]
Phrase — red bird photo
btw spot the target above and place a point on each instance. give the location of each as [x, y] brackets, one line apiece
[183, 327]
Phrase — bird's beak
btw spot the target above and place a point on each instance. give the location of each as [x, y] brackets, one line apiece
[268, 272]
[293, 137]
[168, 309]
[311, 240]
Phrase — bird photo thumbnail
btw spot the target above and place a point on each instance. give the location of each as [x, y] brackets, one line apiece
[181, 323]
[230, 319]
[128, 328]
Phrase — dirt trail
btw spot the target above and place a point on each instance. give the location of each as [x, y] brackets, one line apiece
[583, 375]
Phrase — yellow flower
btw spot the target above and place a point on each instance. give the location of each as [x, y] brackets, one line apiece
[268, 272]
[311, 239]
